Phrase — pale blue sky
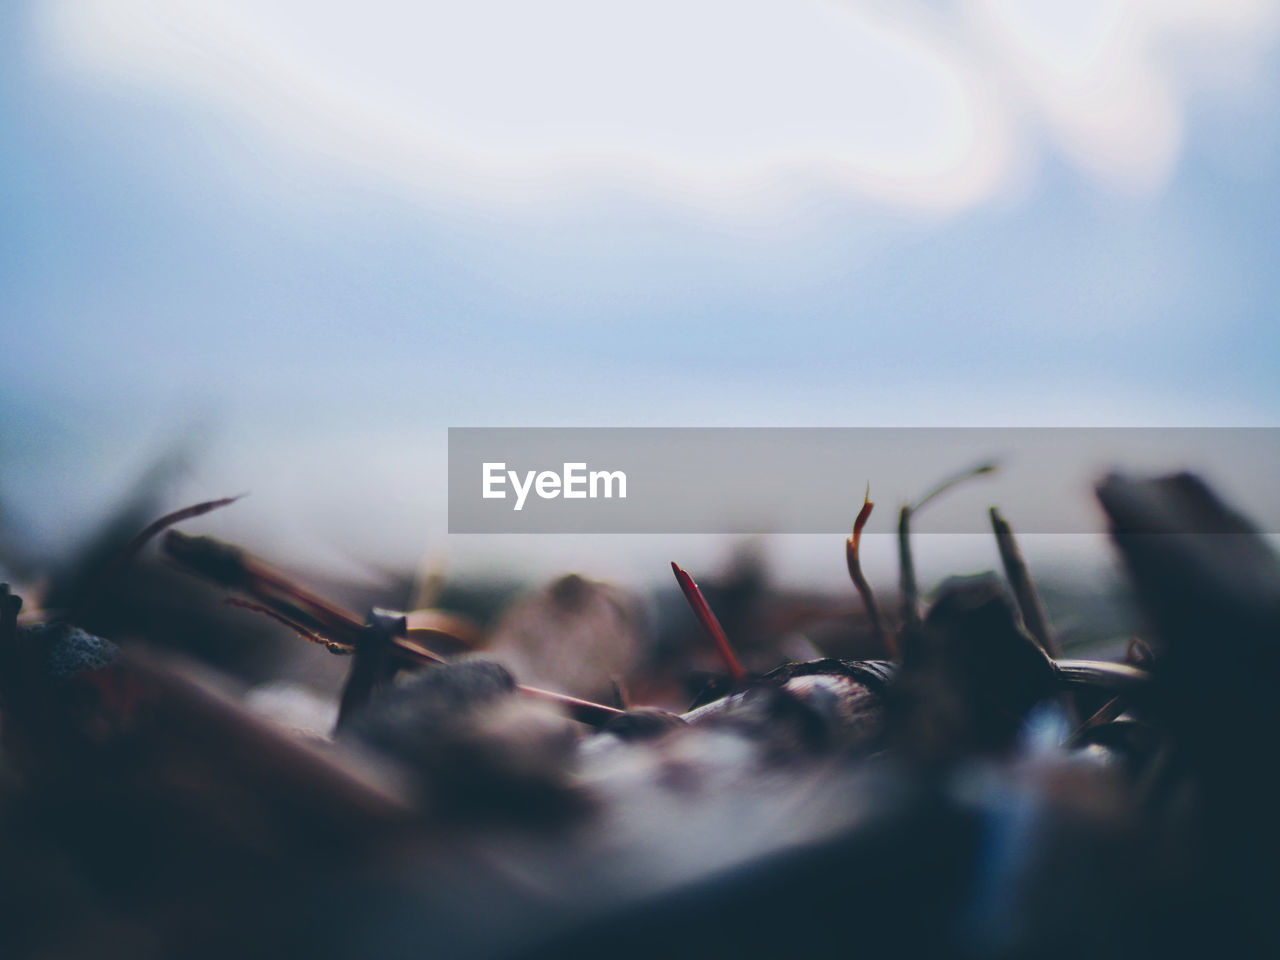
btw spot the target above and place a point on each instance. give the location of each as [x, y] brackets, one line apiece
[308, 229]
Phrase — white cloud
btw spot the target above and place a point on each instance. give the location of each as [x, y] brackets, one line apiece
[1109, 79]
[714, 100]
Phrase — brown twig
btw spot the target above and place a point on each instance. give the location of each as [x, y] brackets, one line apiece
[297, 628]
[584, 711]
[234, 569]
[1102, 676]
[1105, 714]
[169, 519]
[701, 610]
[122, 558]
[428, 623]
[1024, 588]
[854, 562]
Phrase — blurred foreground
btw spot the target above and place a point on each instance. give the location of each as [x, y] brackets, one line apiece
[585, 770]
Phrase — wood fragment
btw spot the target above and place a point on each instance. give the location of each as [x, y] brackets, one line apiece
[217, 725]
[372, 668]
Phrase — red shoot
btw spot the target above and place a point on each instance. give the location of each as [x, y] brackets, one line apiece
[710, 624]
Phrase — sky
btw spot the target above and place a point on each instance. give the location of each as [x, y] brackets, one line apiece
[303, 239]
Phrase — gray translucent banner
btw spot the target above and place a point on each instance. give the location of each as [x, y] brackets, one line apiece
[811, 480]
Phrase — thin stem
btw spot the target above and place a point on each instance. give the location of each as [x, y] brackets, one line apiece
[906, 564]
[1024, 588]
[701, 610]
[907, 585]
[947, 484]
[854, 562]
